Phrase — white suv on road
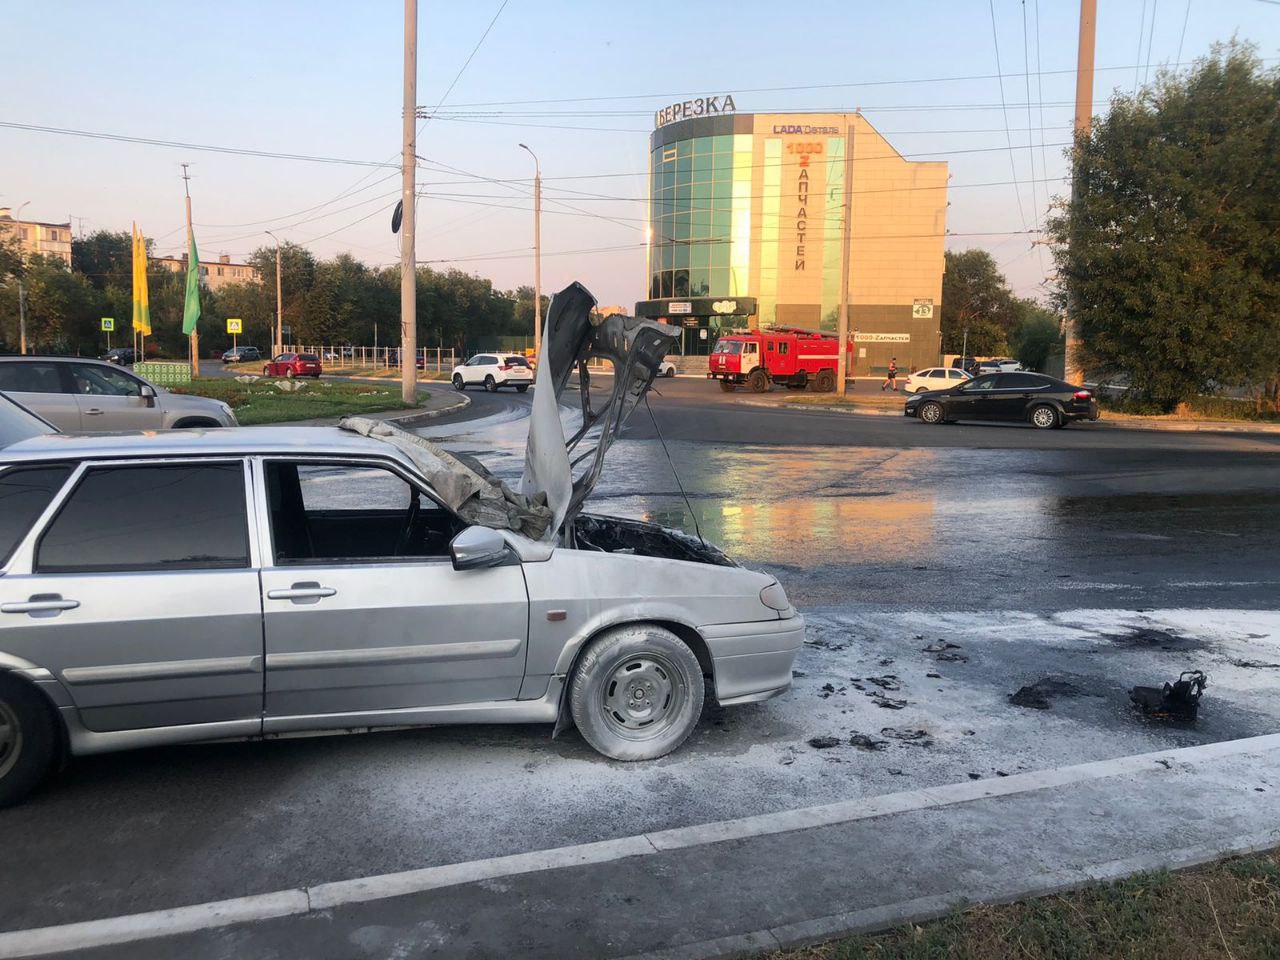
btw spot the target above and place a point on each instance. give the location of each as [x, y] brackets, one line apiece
[494, 371]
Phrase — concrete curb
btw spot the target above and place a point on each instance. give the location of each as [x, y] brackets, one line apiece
[413, 417]
[822, 929]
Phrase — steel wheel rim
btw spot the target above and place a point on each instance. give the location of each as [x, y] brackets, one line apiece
[1043, 417]
[641, 695]
[10, 739]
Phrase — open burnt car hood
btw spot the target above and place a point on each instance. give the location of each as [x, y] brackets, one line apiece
[574, 337]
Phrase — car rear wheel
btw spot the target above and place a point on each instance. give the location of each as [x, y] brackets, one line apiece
[728, 386]
[29, 740]
[193, 423]
[1044, 417]
[637, 693]
[930, 412]
[922, 389]
[288, 374]
[491, 384]
[266, 371]
[522, 388]
[758, 381]
[458, 383]
[671, 372]
[825, 381]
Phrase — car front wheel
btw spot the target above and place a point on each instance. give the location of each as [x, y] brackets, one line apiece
[458, 383]
[1044, 417]
[491, 384]
[288, 374]
[930, 412]
[637, 693]
[29, 740]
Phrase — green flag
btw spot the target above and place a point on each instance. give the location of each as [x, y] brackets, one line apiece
[191, 308]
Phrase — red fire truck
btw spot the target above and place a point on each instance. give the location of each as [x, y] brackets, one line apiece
[790, 356]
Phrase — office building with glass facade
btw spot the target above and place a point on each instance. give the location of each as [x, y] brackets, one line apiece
[746, 215]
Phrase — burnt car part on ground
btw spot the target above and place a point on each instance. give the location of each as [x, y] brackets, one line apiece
[1179, 700]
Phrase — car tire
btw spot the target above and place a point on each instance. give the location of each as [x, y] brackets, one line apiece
[194, 423]
[824, 382]
[29, 740]
[636, 693]
[490, 384]
[758, 381]
[522, 388]
[671, 372]
[1045, 417]
[922, 389]
[458, 383]
[266, 371]
[930, 412]
[288, 374]
[728, 386]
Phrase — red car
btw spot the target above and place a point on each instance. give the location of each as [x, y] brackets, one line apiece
[293, 365]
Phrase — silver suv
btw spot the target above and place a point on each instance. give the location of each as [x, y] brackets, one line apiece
[90, 396]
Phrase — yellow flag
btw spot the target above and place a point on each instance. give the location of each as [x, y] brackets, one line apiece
[141, 299]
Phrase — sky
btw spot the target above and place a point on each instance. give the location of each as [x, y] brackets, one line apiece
[576, 81]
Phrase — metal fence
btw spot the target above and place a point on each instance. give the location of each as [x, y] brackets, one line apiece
[438, 359]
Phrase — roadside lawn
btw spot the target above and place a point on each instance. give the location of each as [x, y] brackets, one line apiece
[1228, 910]
[274, 400]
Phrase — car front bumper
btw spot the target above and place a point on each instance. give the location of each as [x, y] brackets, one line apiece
[753, 661]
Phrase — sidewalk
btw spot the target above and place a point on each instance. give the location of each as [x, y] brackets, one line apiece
[742, 887]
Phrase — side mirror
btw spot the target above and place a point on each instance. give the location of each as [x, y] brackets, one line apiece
[148, 393]
[476, 548]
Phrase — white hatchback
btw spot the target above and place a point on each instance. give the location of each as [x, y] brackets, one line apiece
[494, 370]
[935, 378]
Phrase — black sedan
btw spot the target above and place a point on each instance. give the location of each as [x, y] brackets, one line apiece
[1042, 401]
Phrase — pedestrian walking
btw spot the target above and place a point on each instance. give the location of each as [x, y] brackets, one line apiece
[891, 380]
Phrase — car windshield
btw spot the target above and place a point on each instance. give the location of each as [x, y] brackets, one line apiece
[728, 346]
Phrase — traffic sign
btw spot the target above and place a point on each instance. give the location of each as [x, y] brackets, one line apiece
[922, 309]
[235, 325]
[108, 324]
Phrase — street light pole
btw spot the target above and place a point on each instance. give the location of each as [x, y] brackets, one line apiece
[279, 302]
[22, 294]
[408, 164]
[537, 253]
[846, 244]
[1083, 124]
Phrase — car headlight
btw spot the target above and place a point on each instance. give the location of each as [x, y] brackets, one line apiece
[775, 598]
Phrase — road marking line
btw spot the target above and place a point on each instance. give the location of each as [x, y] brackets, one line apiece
[129, 928]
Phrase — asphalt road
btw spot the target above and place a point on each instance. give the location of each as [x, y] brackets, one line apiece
[1100, 557]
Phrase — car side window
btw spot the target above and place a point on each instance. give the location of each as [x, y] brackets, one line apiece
[954, 374]
[352, 512]
[30, 377]
[150, 517]
[1022, 381]
[24, 493]
[981, 383]
[90, 379]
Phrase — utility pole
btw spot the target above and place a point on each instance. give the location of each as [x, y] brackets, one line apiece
[537, 255]
[846, 251]
[408, 265]
[195, 337]
[1083, 124]
[279, 348]
[22, 318]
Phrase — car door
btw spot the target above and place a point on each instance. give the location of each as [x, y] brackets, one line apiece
[137, 589]
[972, 400]
[1015, 393]
[40, 386]
[111, 399]
[363, 610]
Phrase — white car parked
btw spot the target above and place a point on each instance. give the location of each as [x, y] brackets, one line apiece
[935, 378]
[494, 370]
[666, 369]
[999, 365]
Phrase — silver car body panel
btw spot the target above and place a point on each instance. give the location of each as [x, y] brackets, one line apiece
[152, 658]
[104, 413]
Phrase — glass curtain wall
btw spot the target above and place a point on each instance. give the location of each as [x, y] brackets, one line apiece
[701, 217]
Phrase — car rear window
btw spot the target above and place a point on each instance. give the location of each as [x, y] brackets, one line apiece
[27, 376]
[162, 517]
[24, 493]
[307, 356]
[518, 361]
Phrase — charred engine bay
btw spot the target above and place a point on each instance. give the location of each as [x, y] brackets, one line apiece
[616, 535]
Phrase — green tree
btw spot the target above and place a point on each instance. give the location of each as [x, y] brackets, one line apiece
[1167, 254]
[297, 274]
[1038, 337]
[63, 308]
[976, 297]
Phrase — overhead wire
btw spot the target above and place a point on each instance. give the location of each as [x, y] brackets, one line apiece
[1013, 166]
[1151, 32]
[1185, 18]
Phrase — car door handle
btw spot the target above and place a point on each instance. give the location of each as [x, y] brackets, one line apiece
[93, 411]
[309, 592]
[49, 604]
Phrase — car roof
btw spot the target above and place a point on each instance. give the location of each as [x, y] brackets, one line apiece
[228, 441]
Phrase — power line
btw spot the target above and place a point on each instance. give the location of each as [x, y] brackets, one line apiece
[1151, 32]
[1142, 22]
[1013, 167]
[1185, 17]
[1031, 147]
[466, 63]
